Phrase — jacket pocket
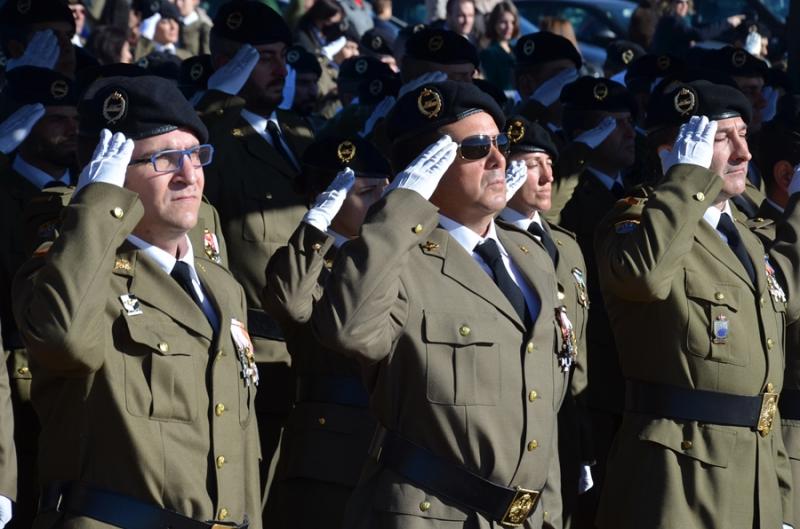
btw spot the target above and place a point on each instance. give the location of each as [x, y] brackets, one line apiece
[393, 495]
[462, 358]
[712, 445]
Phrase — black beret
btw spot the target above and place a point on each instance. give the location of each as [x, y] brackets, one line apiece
[146, 8]
[788, 113]
[378, 85]
[377, 41]
[169, 10]
[324, 158]
[139, 107]
[736, 62]
[697, 98]
[493, 90]
[87, 76]
[647, 68]
[303, 61]
[194, 73]
[251, 22]
[441, 46]
[529, 136]
[162, 64]
[435, 105]
[598, 94]
[17, 13]
[29, 84]
[779, 79]
[537, 48]
[355, 69]
[621, 53]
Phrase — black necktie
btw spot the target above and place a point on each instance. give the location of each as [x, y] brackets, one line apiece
[275, 134]
[537, 230]
[617, 190]
[726, 227]
[490, 253]
[183, 275]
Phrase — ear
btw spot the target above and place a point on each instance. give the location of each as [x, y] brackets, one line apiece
[782, 173]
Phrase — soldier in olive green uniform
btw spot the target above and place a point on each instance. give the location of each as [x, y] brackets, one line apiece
[327, 437]
[531, 145]
[8, 453]
[195, 28]
[254, 180]
[699, 308]
[144, 383]
[454, 322]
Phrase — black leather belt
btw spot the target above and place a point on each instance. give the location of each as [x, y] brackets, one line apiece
[260, 324]
[509, 506]
[118, 510]
[703, 406]
[342, 390]
[790, 404]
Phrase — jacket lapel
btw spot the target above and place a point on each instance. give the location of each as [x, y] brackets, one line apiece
[709, 239]
[260, 148]
[218, 297]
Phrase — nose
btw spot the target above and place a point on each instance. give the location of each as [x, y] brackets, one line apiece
[547, 173]
[741, 152]
[495, 158]
[187, 172]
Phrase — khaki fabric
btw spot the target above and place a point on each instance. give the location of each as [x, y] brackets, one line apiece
[8, 452]
[196, 37]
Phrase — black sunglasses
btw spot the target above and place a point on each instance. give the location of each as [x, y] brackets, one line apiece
[479, 146]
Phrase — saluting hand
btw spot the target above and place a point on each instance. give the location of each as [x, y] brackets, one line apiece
[330, 201]
[231, 77]
[109, 161]
[516, 175]
[42, 52]
[16, 128]
[425, 172]
[594, 137]
[694, 145]
[288, 88]
[550, 90]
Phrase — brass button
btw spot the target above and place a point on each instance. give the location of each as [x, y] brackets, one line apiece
[560, 296]
[532, 396]
[559, 243]
[316, 246]
[417, 228]
[770, 343]
[761, 301]
[219, 409]
[533, 445]
[719, 296]
[220, 353]
[117, 212]
[530, 347]
[425, 506]
[220, 461]
[686, 445]
[464, 330]
[223, 513]
[700, 196]
[23, 370]
[163, 347]
[321, 421]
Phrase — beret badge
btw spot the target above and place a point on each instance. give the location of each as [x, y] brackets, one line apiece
[346, 151]
[375, 87]
[293, 56]
[115, 106]
[196, 72]
[515, 131]
[361, 66]
[739, 58]
[59, 89]
[627, 56]
[23, 7]
[429, 103]
[529, 47]
[435, 43]
[377, 42]
[685, 101]
[663, 62]
[234, 20]
[600, 91]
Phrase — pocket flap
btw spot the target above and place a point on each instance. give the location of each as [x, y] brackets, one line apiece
[460, 328]
[154, 336]
[708, 444]
[394, 495]
[698, 286]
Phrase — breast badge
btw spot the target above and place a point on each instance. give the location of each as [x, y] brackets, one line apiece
[244, 349]
[569, 343]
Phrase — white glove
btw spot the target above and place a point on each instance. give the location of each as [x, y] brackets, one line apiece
[330, 201]
[516, 175]
[231, 77]
[787, 526]
[550, 90]
[424, 173]
[771, 96]
[288, 88]
[694, 145]
[794, 185]
[332, 48]
[752, 44]
[380, 111]
[42, 52]
[594, 137]
[16, 128]
[430, 77]
[109, 161]
[5, 511]
[585, 482]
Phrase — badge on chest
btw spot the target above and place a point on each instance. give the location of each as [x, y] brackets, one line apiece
[131, 304]
[211, 246]
[569, 343]
[775, 289]
[244, 350]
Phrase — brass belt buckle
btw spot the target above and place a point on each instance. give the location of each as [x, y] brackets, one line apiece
[523, 504]
[769, 406]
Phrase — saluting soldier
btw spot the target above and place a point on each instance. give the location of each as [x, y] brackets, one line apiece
[329, 430]
[699, 307]
[532, 146]
[144, 376]
[453, 320]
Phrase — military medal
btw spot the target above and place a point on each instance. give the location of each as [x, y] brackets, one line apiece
[583, 298]
[720, 330]
[244, 348]
[775, 289]
[569, 349]
[211, 246]
[131, 304]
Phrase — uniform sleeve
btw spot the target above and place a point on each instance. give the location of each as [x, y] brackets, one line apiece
[785, 255]
[62, 296]
[8, 453]
[363, 308]
[292, 277]
[644, 247]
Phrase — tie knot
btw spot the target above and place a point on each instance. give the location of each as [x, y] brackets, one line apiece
[182, 273]
[273, 127]
[489, 251]
[536, 229]
[726, 227]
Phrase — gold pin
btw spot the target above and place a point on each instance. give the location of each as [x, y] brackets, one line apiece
[430, 246]
[524, 249]
[122, 264]
[237, 132]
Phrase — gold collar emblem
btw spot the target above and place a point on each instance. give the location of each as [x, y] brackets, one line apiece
[346, 151]
[429, 103]
[115, 106]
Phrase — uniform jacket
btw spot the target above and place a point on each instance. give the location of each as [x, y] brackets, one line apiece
[667, 277]
[145, 47]
[8, 453]
[195, 37]
[441, 348]
[150, 405]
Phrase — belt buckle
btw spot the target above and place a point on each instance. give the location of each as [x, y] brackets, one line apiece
[769, 406]
[523, 504]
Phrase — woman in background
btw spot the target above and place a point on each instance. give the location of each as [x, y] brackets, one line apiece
[497, 60]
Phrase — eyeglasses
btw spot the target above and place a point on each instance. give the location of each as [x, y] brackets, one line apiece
[172, 160]
[479, 146]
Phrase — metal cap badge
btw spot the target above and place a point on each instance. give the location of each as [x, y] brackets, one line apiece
[23, 7]
[377, 42]
[234, 20]
[196, 72]
[293, 56]
[627, 56]
[430, 102]
[529, 47]
[59, 89]
[515, 131]
[375, 87]
[346, 151]
[600, 91]
[361, 66]
[435, 43]
[115, 107]
[685, 101]
[739, 58]
[663, 62]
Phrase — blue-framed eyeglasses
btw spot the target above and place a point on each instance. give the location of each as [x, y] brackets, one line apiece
[172, 160]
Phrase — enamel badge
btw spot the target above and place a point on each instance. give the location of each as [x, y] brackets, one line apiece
[211, 246]
[244, 349]
[775, 289]
[569, 343]
[580, 282]
[720, 330]
[131, 304]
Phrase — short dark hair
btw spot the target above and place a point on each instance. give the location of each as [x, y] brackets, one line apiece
[451, 3]
[106, 42]
[494, 17]
[321, 10]
[776, 143]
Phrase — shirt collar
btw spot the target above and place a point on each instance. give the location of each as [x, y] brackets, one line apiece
[259, 123]
[36, 176]
[713, 214]
[467, 238]
[518, 219]
[338, 238]
[164, 260]
[605, 179]
[190, 18]
[166, 48]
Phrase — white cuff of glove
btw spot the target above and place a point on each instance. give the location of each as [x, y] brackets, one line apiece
[5, 511]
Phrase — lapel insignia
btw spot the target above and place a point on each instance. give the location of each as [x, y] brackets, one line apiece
[580, 282]
[131, 304]
[123, 265]
[775, 289]
[328, 263]
[569, 350]
[211, 246]
[237, 132]
[524, 249]
[200, 266]
[720, 330]
[244, 349]
[430, 246]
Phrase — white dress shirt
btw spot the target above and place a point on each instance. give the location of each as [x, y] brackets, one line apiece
[338, 238]
[259, 124]
[512, 216]
[36, 176]
[190, 18]
[712, 216]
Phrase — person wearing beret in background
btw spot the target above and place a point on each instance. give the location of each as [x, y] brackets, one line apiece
[464, 349]
[166, 37]
[379, 43]
[327, 437]
[698, 305]
[619, 55]
[306, 85]
[193, 75]
[531, 144]
[144, 375]
[431, 50]
[253, 181]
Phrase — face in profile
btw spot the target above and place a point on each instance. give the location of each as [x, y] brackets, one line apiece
[536, 193]
[731, 156]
